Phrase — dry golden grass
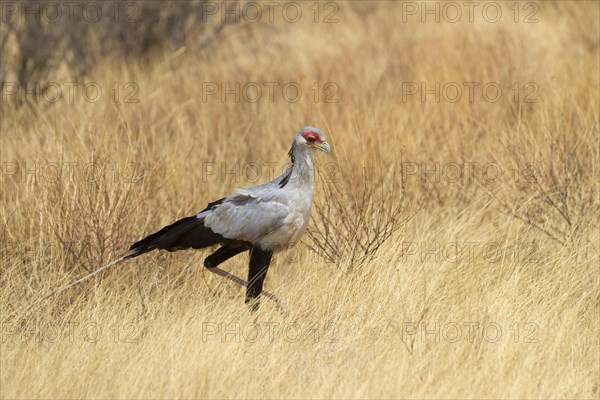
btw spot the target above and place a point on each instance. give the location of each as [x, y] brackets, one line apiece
[517, 316]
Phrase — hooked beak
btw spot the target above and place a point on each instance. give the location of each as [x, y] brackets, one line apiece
[324, 147]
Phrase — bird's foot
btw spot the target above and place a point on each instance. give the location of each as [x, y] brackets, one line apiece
[280, 303]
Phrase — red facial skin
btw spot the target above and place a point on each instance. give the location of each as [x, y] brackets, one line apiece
[312, 138]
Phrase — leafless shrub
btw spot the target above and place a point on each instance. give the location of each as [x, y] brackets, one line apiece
[558, 194]
[104, 208]
[360, 214]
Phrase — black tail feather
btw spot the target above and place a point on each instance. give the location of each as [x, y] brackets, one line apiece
[186, 233]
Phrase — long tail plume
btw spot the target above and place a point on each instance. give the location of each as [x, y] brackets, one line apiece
[77, 282]
[91, 274]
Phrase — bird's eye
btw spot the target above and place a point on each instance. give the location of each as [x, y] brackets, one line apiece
[311, 139]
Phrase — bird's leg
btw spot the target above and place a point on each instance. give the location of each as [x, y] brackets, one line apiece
[223, 254]
[231, 277]
[259, 264]
[281, 305]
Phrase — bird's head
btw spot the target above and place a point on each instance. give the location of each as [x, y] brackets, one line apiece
[311, 138]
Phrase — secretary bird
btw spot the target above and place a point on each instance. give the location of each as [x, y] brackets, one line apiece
[261, 220]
